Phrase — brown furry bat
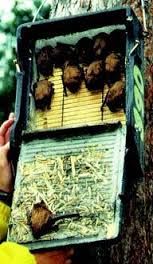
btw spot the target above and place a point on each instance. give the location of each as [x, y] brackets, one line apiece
[113, 67]
[100, 46]
[44, 61]
[116, 96]
[62, 53]
[42, 220]
[117, 41]
[72, 77]
[43, 92]
[94, 76]
[84, 50]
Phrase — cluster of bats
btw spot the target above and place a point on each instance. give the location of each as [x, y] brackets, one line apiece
[98, 61]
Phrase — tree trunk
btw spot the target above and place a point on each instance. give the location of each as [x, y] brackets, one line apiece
[63, 8]
[136, 242]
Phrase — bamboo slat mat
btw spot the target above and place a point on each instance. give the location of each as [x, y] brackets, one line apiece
[81, 108]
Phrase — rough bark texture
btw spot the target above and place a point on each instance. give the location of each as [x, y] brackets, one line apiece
[136, 242]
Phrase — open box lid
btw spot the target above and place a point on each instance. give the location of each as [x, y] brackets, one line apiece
[79, 170]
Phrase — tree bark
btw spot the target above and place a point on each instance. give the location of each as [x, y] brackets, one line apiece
[136, 242]
[63, 8]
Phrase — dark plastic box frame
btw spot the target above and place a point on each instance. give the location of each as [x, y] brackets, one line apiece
[28, 33]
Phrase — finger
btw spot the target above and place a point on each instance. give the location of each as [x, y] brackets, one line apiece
[64, 255]
[6, 148]
[68, 261]
[2, 140]
[70, 252]
[5, 129]
[5, 126]
[7, 136]
[11, 116]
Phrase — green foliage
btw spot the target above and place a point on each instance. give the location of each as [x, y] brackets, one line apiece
[44, 12]
[1, 53]
[7, 94]
[8, 91]
[37, 3]
[21, 15]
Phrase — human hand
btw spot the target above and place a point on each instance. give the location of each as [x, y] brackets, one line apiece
[62, 256]
[6, 183]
